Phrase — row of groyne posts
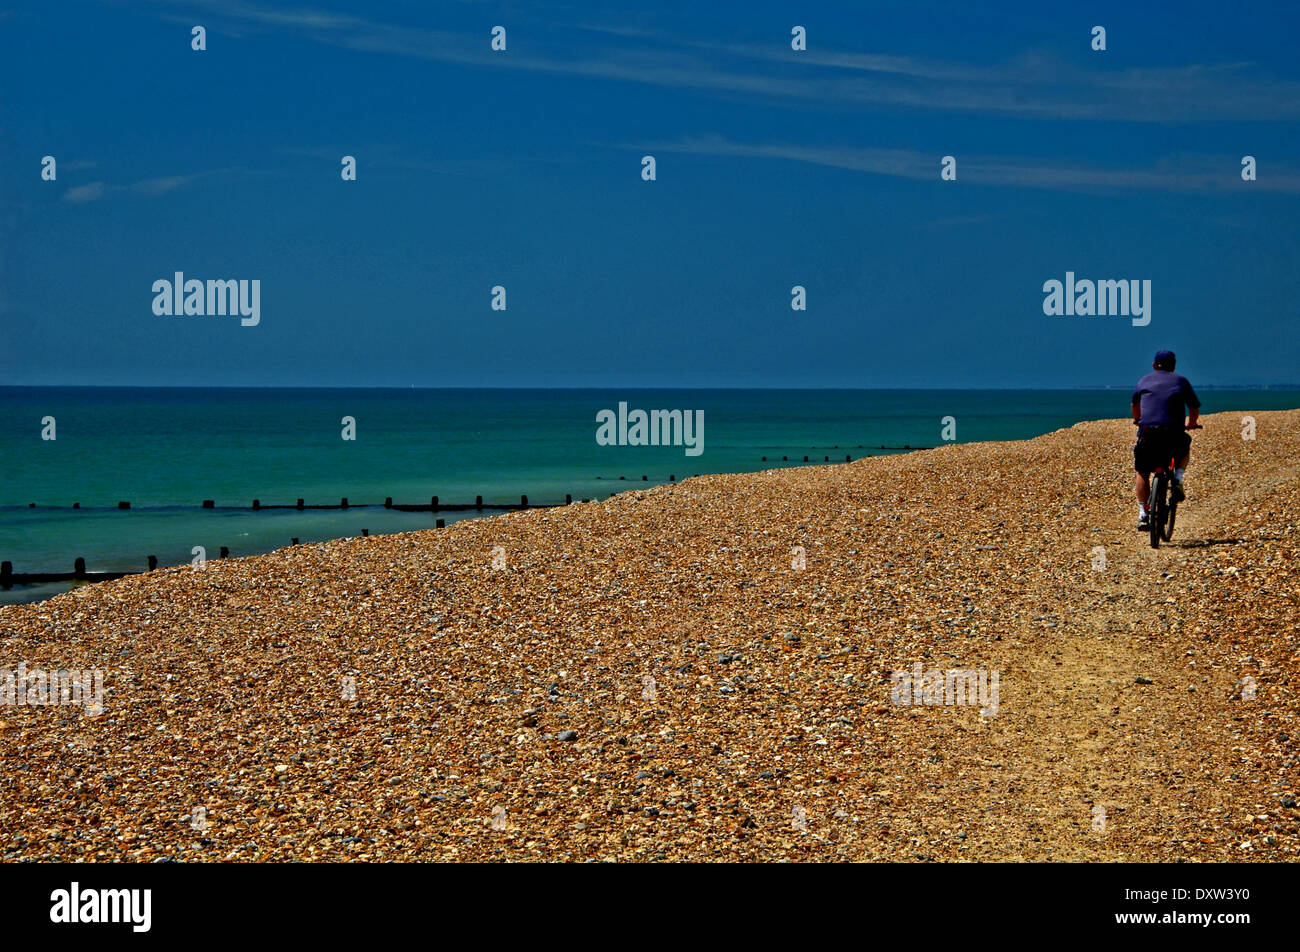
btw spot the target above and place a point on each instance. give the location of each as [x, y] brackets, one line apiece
[9, 577]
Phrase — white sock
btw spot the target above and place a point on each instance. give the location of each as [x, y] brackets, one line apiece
[1142, 510]
[1178, 473]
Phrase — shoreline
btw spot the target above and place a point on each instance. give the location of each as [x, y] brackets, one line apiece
[20, 588]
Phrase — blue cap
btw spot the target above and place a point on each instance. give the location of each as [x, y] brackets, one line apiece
[1163, 356]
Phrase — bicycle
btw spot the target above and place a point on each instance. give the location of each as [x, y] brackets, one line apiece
[1162, 511]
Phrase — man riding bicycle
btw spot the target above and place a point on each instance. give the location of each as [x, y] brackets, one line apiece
[1160, 401]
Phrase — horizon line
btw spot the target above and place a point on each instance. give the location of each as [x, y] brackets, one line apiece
[110, 386]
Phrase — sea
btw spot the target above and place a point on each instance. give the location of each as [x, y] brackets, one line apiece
[165, 451]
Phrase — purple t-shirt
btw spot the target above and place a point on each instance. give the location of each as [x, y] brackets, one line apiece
[1164, 397]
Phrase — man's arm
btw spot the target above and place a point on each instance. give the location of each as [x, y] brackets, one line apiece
[1137, 411]
[1193, 405]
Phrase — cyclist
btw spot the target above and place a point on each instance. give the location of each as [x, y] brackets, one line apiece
[1160, 401]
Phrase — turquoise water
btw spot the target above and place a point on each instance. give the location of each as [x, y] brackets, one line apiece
[166, 450]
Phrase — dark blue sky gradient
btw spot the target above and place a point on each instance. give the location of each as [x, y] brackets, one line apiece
[523, 169]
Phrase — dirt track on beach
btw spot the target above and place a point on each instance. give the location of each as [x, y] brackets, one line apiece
[715, 702]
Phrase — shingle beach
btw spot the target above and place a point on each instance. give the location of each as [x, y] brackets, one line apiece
[653, 677]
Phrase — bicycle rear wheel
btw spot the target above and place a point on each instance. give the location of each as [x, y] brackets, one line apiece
[1168, 532]
[1156, 509]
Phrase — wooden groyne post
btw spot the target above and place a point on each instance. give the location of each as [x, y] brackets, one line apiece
[9, 578]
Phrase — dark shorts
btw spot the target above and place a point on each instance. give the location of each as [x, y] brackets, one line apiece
[1157, 445]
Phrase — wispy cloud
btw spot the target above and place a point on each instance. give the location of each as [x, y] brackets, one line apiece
[161, 186]
[1037, 85]
[1182, 174]
[94, 191]
[80, 194]
[387, 156]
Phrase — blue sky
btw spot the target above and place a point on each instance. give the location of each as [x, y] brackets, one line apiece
[522, 169]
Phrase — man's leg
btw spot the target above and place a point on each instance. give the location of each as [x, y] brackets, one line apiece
[1140, 487]
[1180, 467]
[1142, 490]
